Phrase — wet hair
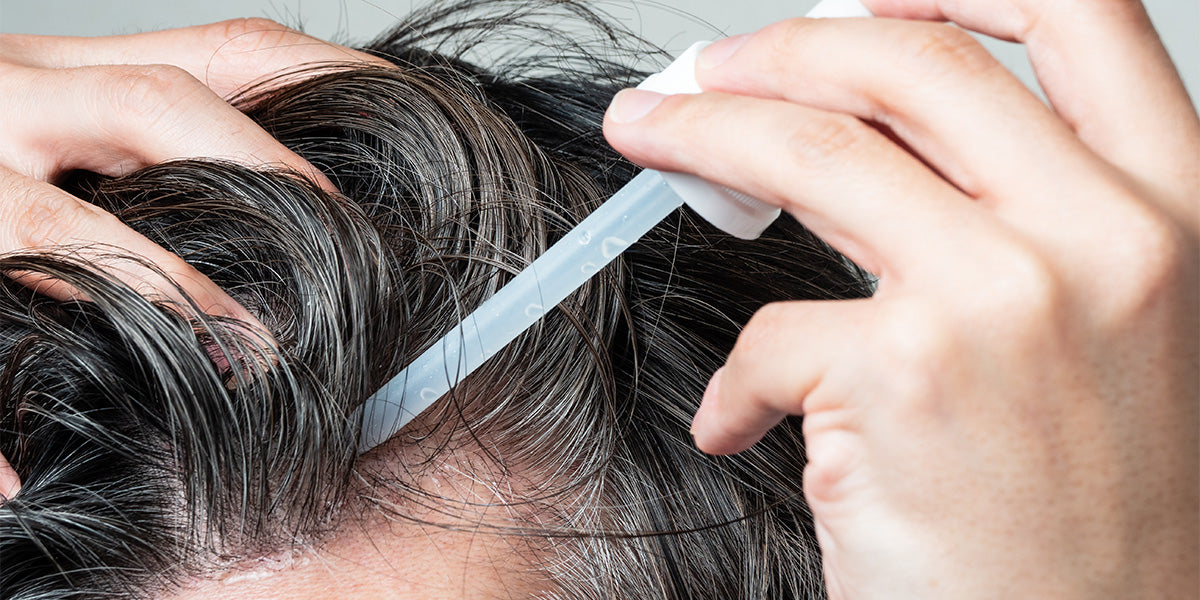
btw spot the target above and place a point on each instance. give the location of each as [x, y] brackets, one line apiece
[157, 443]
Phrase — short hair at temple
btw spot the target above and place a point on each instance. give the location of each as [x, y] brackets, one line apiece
[157, 443]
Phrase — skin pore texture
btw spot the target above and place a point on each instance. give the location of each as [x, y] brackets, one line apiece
[379, 555]
[168, 453]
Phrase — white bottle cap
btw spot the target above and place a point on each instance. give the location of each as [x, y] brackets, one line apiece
[731, 211]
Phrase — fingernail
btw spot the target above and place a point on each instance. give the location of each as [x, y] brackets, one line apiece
[720, 51]
[710, 396]
[632, 104]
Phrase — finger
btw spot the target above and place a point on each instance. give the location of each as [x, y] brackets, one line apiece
[780, 360]
[10, 482]
[1103, 68]
[226, 56]
[941, 94]
[35, 214]
[114, 119]
[841, 178]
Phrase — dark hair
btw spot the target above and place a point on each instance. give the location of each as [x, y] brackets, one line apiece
[156, 442]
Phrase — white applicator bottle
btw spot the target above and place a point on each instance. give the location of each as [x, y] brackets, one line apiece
[635, 209]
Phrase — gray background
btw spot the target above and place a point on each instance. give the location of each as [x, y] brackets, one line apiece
[659, 21]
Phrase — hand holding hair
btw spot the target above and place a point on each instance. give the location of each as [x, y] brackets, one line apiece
[1014, 413]
[116, 104]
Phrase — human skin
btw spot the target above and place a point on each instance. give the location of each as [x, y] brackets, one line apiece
[1014, 414]
[448, 551]
[115, 104]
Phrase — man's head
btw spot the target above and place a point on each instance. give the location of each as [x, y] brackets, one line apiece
[161, 448]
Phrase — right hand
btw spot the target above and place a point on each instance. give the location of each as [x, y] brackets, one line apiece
[116, 104]
[1014, 413]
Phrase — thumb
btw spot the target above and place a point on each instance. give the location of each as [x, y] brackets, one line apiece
[781, 361]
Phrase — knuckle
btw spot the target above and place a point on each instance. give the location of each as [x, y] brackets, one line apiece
[147, 91]
[44, 217]
[914, 333]
[936, 51]
[1025, 292]
[915, 347]
[1156, 237]
[1151, 259]
[246, 35]
[825, 139]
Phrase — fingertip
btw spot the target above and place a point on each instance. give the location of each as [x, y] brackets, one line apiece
[229, 308]
[715, 440]
[253, 356]
[636, 125]
[10, 482]
[322, 181]
[701, 418]
[205, 294]
[710, 429]
[630, 105]
[221, 305]
[296, 163]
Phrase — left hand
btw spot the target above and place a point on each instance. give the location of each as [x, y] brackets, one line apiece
[116, 104]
